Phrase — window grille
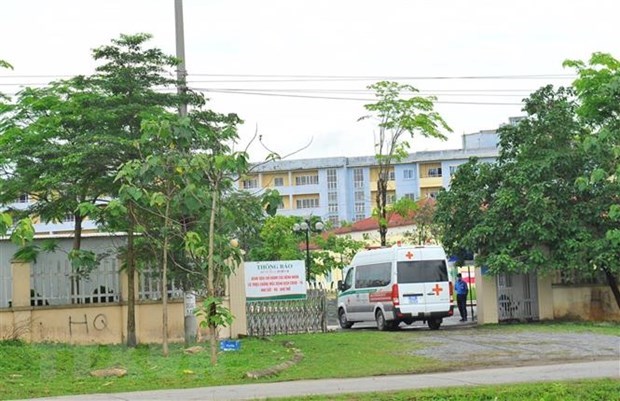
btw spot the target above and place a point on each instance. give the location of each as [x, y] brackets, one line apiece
[434, 172]
[358, 178]
[332, 180]
[250, 184]
[307, 180]
[307, 203]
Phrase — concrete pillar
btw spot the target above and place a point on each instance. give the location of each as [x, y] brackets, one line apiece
[21, 283]
[486, 293]
[545, 297]
[236, 292]
[22, 311]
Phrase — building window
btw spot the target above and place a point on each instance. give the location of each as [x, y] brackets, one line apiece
[307, 203]
[453, 170]
[434, 172]
[391, 176]
[69, 218]
[307, 180]
[390, 198]
[410, 196]
[334, 220]
[432, 194]
[23, 198]
[278, 182]
[332, 180]
[408, 174]
[249, 184]
[358, 178]
[332, 197]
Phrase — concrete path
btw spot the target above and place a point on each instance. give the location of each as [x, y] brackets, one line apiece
[556, 372]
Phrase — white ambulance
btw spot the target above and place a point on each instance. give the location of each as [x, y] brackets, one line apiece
[394, 285]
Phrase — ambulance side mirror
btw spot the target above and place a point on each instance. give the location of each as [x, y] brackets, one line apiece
[340, 285]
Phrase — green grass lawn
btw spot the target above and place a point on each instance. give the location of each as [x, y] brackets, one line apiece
[582, 390]
[38, 370]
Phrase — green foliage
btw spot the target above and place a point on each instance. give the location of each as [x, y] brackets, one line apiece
[397, 115]
[335, 252]
[214, 313]
[278, 241]
[271, 201]
[551, 200]
[6, 222]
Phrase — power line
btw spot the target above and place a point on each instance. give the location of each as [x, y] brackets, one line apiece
[297, 77]
[393, 77]
[240, 92]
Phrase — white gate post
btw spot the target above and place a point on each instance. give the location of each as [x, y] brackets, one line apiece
[486, 297]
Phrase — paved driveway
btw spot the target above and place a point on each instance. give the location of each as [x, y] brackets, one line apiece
[487, 347]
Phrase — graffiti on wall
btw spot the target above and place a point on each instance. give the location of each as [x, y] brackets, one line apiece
[98, 323]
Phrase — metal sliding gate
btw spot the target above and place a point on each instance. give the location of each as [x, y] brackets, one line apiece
[517, 297]
[286, 317]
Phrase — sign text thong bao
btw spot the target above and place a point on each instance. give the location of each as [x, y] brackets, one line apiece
[282, 279]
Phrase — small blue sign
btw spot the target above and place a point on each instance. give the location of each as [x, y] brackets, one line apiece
[230, 345]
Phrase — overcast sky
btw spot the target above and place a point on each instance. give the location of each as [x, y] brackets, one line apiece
[412, 41]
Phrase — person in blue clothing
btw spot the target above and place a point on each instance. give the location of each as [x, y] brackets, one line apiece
[461, 296]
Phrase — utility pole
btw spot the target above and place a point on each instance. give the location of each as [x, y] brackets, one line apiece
[180, 45]
[190, 323]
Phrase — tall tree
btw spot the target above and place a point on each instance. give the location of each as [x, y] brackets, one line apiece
[185, 167]
[531, 210]
[64, 144]
[598, 91]
[398, 118]
[422, 214]
[131, 77]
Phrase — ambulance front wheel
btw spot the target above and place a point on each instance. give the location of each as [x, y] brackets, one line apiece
[342, 319]
[434, 324]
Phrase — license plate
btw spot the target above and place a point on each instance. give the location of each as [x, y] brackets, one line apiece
[413, 300]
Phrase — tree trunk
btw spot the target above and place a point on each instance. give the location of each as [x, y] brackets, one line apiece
[211, 279]
[131, 283]
[77, 232]
[381, 206]
[77, 244]
[613, 284]
[164, 283]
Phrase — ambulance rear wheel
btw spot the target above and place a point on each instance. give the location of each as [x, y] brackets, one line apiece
[434, 324]
[382, 325]
[342, 319]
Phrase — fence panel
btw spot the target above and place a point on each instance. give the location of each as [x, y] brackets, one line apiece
[7, 250]
[149, 286]
[54, 282]
[288, 317]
